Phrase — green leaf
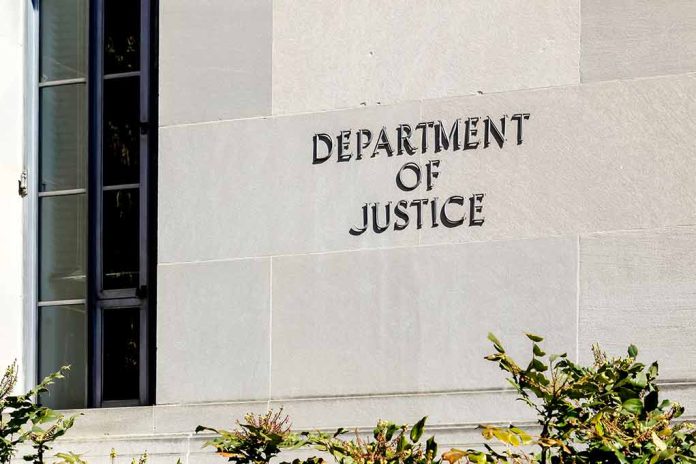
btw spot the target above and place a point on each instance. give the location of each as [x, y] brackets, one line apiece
[599, 428]
[496, 343]
[389, 433]
[417, 430]
[524, 436]
[202, 428]
[650, 401]
[538, 351]
[640, 380]
[659, 444]
[620, 456]
[401, 444]
[632, 351]
[534, 338]
[538, 365]
[633, 405]
[431, 446]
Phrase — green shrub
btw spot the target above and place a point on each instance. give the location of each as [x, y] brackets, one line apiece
[606, 413]
[609, 412]
[260, 438]
[23, 421]
[257, 440]
[390, 444]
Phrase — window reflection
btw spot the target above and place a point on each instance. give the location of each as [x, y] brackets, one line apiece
[63, 342]
[121, 354]
[62, 247]
[121, 239]
[121, 131]
[63, 39]
[122, 36]
[63, 142]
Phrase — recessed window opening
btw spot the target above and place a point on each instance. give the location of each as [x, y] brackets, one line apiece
[95, 200]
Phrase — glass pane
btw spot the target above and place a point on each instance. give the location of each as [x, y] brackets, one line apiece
[62, 342]
[121, 131]
[121, 239]
[62, 247]
[121, 36]
[63, 144]
[121, 354]
[63, 39]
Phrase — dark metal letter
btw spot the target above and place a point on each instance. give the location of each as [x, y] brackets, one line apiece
[446, 221]
[383, 143]
[419, 215]
[375, 226]
[423, 127]
[316, 159]
[433, 212]
[519, 117]
[442, 140]
[343, 144]
[404, 144]
[413, 167]
[359, 139]
[470, 131]
[431, 172]
[401, 213]
[498, 135]
[474, 209]
[360, 230]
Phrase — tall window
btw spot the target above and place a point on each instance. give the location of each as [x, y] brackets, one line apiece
[96, 159]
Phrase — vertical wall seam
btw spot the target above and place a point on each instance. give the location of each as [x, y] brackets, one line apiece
[270, 331]
[188, 448]
[272, 109]
[422, 160]
[577, 301]
[580, 41]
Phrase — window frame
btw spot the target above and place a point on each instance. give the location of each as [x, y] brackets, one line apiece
[96, 299]
[30, 210]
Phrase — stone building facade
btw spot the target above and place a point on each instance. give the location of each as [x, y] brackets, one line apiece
[503, 166]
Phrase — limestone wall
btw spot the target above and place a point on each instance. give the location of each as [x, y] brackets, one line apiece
[11, 164]
[264, 297]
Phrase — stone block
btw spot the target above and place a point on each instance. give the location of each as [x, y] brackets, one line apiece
[637, 287]
[213, 331]
[103, 422]
[592, 159]
[215, 60]
[415, 319]
[335, 54]
[445, 409]
[250, 188]
[184, 418]
[598, 157]
[636, 38]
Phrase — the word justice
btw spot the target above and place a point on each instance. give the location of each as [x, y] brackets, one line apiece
[423, 211]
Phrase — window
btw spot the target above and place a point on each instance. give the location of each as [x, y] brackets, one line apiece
[96, 158]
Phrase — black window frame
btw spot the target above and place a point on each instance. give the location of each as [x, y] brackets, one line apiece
[98, 299]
